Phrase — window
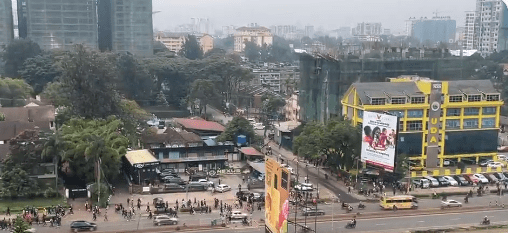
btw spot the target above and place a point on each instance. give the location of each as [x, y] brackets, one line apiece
[470, 123]
[418, 100]
[453, 124]
[474, 98]
[489, 110]
[471, 111]
[397, 113]
[455, 98]
[418, 113]
[360, 113]
[378, 101]
[453, 112]
[493, 97]
[401, 126]
[414, 125]
[398, 100]
[488, 122]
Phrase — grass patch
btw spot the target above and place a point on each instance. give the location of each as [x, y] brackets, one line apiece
[17, 205]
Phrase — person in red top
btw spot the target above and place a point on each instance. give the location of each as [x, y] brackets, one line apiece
[368, 135]
[381, 145]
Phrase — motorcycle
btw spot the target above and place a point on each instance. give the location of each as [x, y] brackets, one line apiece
[361, 206]
[349, 208]
[485, 222]
[350, 225]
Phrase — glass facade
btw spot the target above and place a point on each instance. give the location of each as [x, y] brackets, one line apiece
[489, 111]
[415, 113]
[488, 122]
[453, 124]
[410, 144]
[470, 123]
[453, 112]
[466, 142]
[471, 111]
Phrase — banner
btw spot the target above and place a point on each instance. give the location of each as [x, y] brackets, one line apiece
[379, 138]
[277, 180]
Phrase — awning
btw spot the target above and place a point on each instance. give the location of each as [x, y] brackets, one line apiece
[260, 167]
[251, 151]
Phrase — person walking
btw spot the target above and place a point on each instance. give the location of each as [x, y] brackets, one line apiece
[105, 216]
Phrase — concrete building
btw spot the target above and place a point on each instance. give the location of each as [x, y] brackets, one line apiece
[175, 40]
[268, 79]
[468, 126]
[228, 30]
[292, 109]
[132, 28]
[471, 27]
[435, 30]
[259, 35]
[493, 26]
[6, 23]
[367, 31]
[54, 25]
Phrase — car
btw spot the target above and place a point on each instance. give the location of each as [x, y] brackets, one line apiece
[485, 162]
[502, 157]
[424, 183]
[158, 201]
[222, 188]
[83, 225]
[433, 181]
[312, 211]
[193, 186]
[448, 162]
[481, 178]
[450, 203]
[493, 179]
[259, 197]
[238, 214]
[164, 220]
[495, 164]
[304, 187]
[501, 177]
[175, 180]
[468, 161]
[451, 181]
[259, 126]
[173, 187]
[461, 180]
[163, 174]
[242, 195]
[205, 182]
[442, 181]
[472, 179]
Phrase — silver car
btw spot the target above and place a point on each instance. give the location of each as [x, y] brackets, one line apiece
[164, 220]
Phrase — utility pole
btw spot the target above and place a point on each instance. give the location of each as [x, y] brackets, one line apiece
[99, 181]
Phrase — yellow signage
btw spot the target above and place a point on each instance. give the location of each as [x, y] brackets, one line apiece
[277, 180]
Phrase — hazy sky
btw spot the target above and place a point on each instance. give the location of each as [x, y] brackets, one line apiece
[329, 14]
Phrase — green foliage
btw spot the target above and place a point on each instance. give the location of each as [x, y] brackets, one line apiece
[50, 193]
[16, 182]
[13, 92]
[238, 126]
[104, 193]
[191, 48]
[87, 84]
[402, 164]
[20, 226]
[338, 140]
[39, 71]
[252, 51]
[16, 53]
[202, 92]
[134, 81]
[227, 43]
[272, 105]
[2, 116]
[81, 142]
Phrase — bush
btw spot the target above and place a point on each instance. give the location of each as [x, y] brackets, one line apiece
[50, 193]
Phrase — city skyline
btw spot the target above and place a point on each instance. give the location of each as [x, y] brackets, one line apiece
[337, 14]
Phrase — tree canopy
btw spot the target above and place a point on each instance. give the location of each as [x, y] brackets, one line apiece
[337, 140]
[39, 70]
[191, 49]
[81, 142]
[238, 126]
[13, 92]
[16, 53]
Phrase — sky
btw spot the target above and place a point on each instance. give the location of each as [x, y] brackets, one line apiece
[325, 14]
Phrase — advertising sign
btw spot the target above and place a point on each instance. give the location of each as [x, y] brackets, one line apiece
[277, 180]
[379, 138]
[434, 125]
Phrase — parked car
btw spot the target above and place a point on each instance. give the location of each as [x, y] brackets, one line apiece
[451, 181]
[502, 157]
[83, 225]
[164, 220]
[205, 182]
[424, 183]
[222, 188]
[192, 186]
[485, 162]
[259, 197]
[238, 214]
[451, 203]
[481, 178]
[173, 187]
[433, 182]
[495, 164]
[304, 187]
[461, 180]
[312, 211]
[468, 161]
[448, 162]
[442, 181]
[174, 180]
[259, 126]
[163, 174]
[492, 179]
[501, 177]
[472, 179]
[242, 195]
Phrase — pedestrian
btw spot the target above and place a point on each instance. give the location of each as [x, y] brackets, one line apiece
[349, 189]
[105, 216]
[394, 190]
[128, 200]
[8, 213]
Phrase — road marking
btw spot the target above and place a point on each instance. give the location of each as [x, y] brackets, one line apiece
[421, 221]
[380, 224]
[455, 219]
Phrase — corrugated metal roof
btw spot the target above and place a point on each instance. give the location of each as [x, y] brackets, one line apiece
[140, 156]
[200, 124]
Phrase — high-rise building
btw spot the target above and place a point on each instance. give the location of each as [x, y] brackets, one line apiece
[437, 29]
[493, 27]
[258, 35]
[471, 27]
[132, 28]
[6, 25]
[368, 31]
[58, 23]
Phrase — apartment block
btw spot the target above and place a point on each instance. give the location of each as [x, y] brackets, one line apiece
[259, 35]
[471, 28]
[6, 24]
[492, 34]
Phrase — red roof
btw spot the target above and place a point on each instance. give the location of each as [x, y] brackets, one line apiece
[250, 151]
[200, 124]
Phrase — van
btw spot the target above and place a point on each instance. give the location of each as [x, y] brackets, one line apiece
[433, 181]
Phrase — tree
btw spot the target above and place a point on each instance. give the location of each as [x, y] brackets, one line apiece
[238, 126]
[39, 71]
[88, 84]
[2, 116]
[16, 182]
[16, 53]
[203, 92]
[191, 48]
[13, 92]
[20, 226]
[81, 142]
[252, 51]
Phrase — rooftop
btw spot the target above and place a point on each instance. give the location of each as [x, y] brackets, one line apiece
[140, 157]
[287, 126]
[199, 124]
[251, 151]
[29, 113]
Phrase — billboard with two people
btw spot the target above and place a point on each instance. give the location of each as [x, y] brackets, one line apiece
[277, 180]
[379, 138]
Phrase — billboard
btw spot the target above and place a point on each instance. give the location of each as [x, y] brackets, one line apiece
[379, 138]
[277, 180]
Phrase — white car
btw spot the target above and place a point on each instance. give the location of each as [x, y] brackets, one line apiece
[238, 214]
[290, 169]
[304, 187]
[450, 180]
[222, 188]
[502, 157]
[481, 178]
[495, 164]
[259, 126]
[205, 182]
[451, 203]
[433, 182]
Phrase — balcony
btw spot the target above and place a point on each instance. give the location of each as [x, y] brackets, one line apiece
[195, 159]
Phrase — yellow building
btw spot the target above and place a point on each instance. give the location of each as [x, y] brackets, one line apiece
[467, 120]
[175, 40]
[259, 35]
